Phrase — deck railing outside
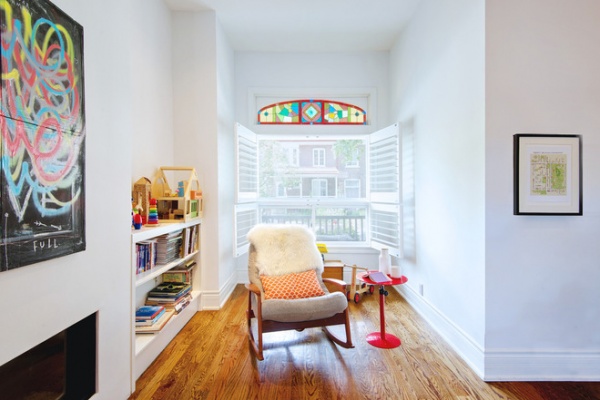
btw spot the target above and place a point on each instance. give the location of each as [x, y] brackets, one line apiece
[327, 227]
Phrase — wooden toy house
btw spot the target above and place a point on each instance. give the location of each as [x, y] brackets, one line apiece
[180, 203]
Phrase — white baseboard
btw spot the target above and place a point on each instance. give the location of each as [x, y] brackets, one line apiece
[547, 365]
[215, 299]
[493, 365]
[242, 275]
[470, 351]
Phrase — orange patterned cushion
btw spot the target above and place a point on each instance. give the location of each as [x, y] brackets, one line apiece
[292, 286]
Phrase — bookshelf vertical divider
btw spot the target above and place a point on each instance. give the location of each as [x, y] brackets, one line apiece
[147, 346]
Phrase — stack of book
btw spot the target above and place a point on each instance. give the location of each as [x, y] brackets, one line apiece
[182, 273]
[173, 296]
[168, 247]
[151, 319]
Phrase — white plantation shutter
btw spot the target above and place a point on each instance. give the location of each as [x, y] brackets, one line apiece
[384, 184]
[384, 165]
[245, 210]
[246, 216]
[246, 164]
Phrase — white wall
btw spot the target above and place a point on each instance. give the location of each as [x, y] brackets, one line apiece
[203, 81]
[437, 95]
[152, 82]
[542, 279]
[43, 299]
[310, 73]
[226, 170]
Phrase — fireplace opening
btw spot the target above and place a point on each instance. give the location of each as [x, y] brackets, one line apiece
[61, 367]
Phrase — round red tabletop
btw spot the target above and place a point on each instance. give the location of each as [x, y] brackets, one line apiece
[364, 276]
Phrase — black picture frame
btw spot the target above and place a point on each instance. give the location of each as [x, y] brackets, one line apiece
[547, 174]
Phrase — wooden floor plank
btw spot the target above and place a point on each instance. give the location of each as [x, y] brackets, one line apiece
[211, 359]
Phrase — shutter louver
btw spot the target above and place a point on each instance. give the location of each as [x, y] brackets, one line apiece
[384, 184]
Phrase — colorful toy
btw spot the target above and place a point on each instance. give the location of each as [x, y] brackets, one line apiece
[153, 213]
[137, 220]
[179, 204]
[356, 289]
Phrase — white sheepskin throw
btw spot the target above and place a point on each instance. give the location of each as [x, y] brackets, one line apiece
[285, 249]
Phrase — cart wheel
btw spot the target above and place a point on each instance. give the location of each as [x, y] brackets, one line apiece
[371, 289]
[356, 297]
[363, 285]
[348, 295]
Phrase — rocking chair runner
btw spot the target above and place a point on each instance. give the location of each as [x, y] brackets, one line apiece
[278, 251]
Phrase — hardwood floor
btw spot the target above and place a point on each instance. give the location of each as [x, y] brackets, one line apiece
[211, 359]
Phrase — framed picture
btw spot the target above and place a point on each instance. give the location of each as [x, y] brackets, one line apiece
[547, 174]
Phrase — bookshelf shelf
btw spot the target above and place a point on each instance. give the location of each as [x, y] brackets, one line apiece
[149, 232]
[147, 346]
[157, 271]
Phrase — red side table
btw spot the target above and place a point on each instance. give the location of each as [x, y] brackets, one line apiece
[382, 339]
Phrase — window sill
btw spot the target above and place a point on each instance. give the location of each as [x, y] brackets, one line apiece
[350, 249]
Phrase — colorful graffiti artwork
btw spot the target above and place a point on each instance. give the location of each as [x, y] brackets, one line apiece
[42, 122]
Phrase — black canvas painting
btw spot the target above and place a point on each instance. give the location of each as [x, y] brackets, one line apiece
[42, 121]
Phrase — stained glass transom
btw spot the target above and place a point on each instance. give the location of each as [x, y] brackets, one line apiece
[309, 112]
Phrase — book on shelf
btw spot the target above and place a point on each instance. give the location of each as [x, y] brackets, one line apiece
[173, 305]
[169, 290]
[156, 327]
[146, 255]
[147, 312]
[148, 322]
[190, 240]
[183, 303]
[181, 273]
[168, 247]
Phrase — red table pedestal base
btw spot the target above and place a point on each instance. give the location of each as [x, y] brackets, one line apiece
[381, 339]
[388, 341]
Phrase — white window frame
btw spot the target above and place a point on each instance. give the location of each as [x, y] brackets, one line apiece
[357, 186]
[319, 157]
[384, 185]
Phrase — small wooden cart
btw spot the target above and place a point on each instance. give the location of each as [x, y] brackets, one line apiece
[356, 289]
[334, 269]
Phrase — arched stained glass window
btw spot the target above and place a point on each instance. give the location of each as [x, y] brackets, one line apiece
[312, 112]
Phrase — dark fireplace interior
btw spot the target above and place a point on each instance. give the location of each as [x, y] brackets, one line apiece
[62, 367]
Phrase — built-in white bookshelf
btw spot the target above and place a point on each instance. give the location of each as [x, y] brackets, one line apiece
[147, 346]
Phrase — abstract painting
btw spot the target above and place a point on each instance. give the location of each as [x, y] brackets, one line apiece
[42, 121]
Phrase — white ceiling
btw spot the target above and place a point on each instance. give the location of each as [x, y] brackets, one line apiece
[308, 25]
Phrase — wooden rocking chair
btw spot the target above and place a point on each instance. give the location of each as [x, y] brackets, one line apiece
[280, 252]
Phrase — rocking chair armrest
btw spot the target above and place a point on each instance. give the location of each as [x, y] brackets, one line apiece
[341, 285]
[253, 288]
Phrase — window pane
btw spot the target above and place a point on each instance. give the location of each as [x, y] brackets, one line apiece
[285, 215]
[318, 157]
[335, 223]
[304, 168]
[319, 187]
[352, 188]
[346, 224]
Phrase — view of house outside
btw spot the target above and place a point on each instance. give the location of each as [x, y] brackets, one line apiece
[319, 183]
